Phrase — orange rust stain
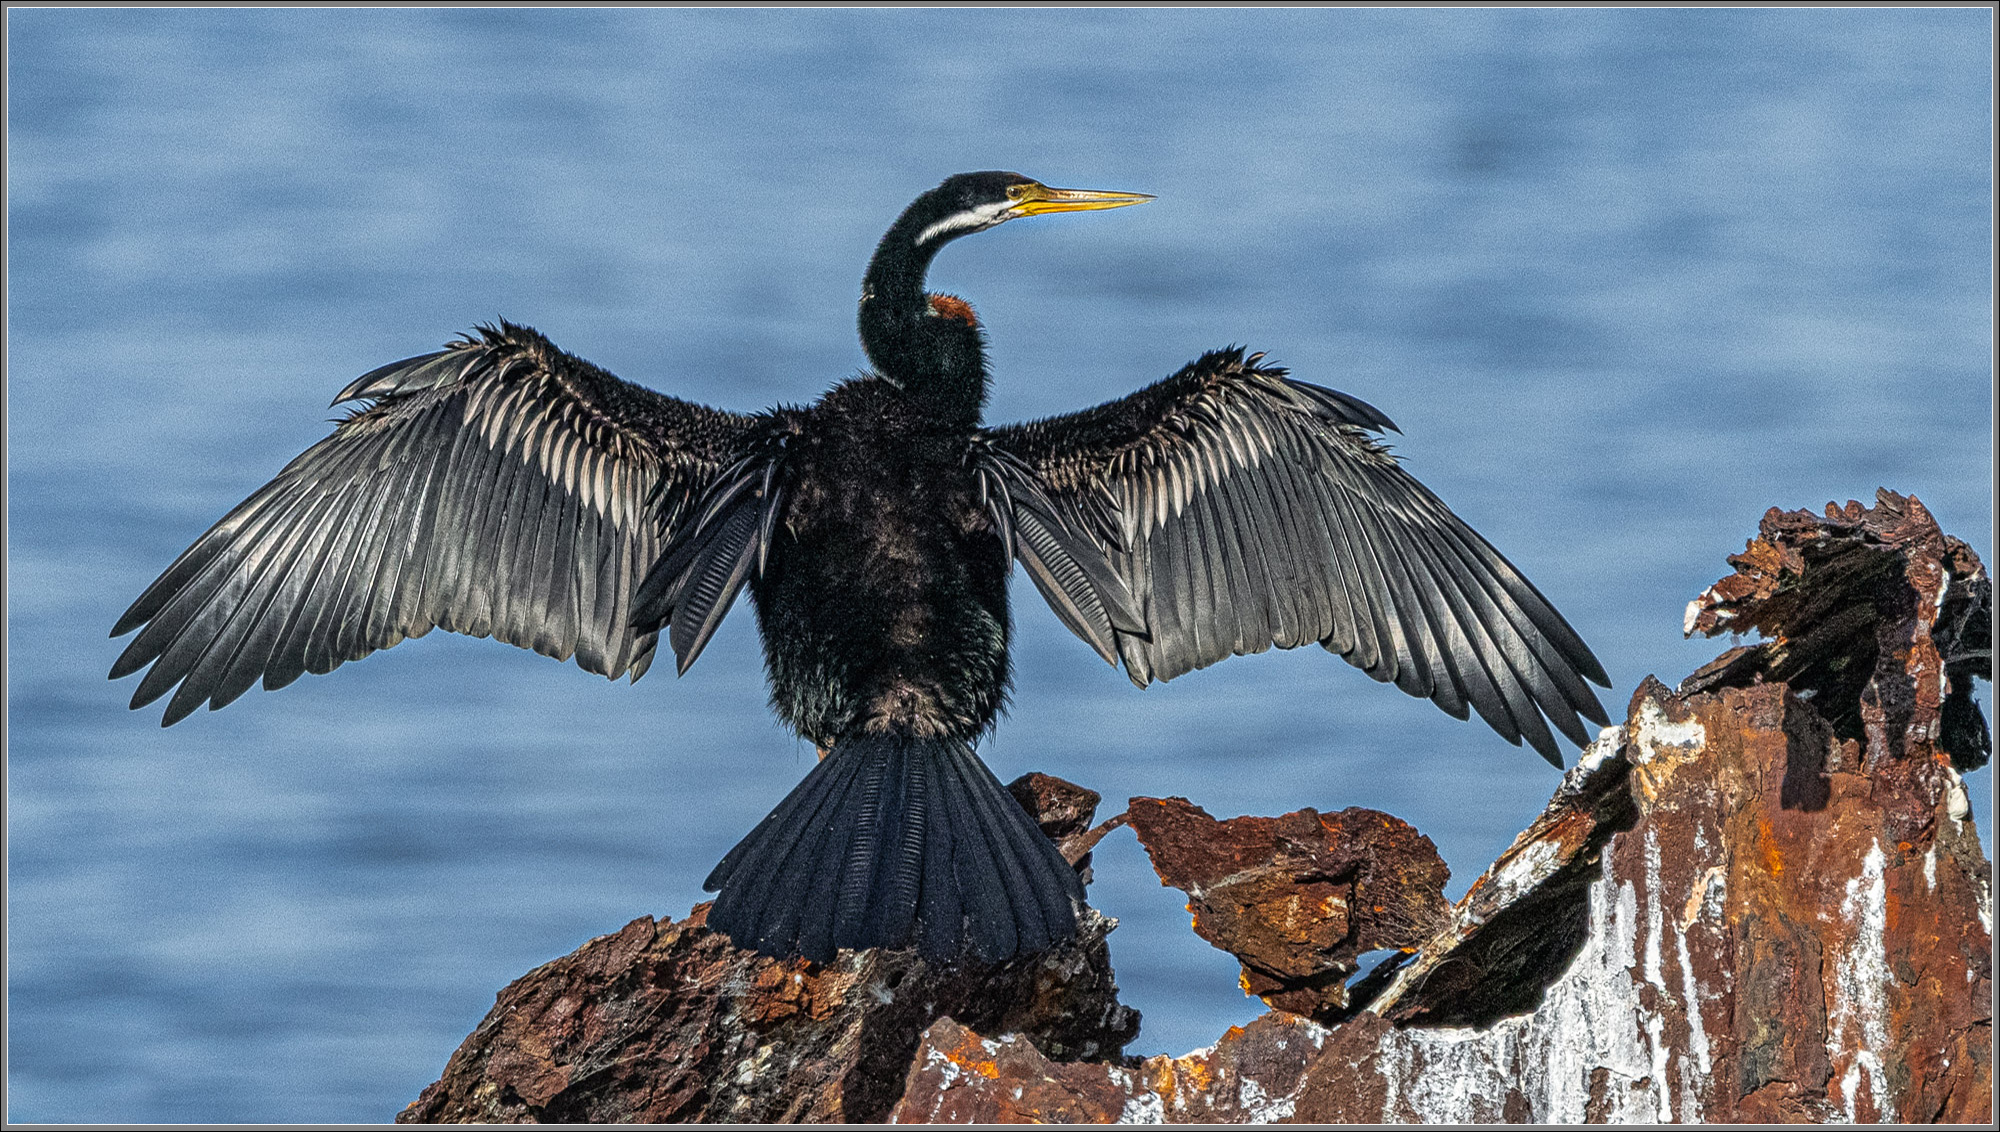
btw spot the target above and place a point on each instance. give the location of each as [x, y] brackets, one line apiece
[1773, 862]
[967, 1056]
[951, 306]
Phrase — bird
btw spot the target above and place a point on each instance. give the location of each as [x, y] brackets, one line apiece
[503, 488]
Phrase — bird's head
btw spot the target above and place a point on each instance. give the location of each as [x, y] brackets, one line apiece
[973, 202]
[930, 346]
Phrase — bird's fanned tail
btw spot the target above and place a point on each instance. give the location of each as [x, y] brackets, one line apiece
[896, 841]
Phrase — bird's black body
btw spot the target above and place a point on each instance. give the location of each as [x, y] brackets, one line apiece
[884, 603]
[503, 487]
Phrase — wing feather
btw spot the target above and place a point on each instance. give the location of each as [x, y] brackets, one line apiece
[1241, 509]
[498, 488]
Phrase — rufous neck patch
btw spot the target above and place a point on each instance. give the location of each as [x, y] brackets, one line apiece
[951, 306]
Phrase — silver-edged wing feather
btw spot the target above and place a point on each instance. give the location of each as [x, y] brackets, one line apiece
[498, 488]
[1064, 562]
[710, 559]
[1242, 509]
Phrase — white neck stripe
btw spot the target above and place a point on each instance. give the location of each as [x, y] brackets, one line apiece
[970, 220]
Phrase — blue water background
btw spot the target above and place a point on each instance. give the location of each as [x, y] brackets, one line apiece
[1625, 279]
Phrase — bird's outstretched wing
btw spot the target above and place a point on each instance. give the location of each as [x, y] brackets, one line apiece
[1242, 509]
[499, 487]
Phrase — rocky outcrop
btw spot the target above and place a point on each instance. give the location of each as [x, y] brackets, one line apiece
[1760, 898]
[667, 1021]
[1297, 899]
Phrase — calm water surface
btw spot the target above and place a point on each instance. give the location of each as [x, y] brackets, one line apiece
[1625, 279]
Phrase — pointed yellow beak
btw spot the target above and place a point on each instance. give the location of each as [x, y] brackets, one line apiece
[1034, 199]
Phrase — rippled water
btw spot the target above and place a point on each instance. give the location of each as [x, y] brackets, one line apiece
[1625, 279]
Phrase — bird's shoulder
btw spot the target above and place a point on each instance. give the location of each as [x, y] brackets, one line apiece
[509, 374]
[1223, 394]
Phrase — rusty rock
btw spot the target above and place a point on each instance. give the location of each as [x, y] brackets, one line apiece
[666, 1021]
[1063, 809]
[1297, 899]
[1752, 954]
[1249, 1077]
[1873, 611]
[1787, 917]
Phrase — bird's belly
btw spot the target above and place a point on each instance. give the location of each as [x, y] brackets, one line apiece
[882, 612]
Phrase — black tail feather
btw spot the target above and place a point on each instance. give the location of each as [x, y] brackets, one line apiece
[989, 911]
[893, 841]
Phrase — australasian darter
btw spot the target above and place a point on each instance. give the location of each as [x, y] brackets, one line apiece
[504, 488]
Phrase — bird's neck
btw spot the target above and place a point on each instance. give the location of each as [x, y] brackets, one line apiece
[930, 347]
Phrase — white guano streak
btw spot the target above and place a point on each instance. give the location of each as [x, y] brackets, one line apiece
[1589, 1020]
[1858, 1018]
[1144, 1108]
[1694, 1075]
[1656, 923]
[1655, 730]
[1260, 1107]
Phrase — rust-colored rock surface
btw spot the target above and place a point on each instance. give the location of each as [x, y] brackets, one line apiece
[1760, 899]
[1249, 1077]
[1872, 612]
[1747, 957]
[1299, 898]
[668, 1021]
[1064, 810]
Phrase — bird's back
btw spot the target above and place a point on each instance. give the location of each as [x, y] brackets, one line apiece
[883, 607]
